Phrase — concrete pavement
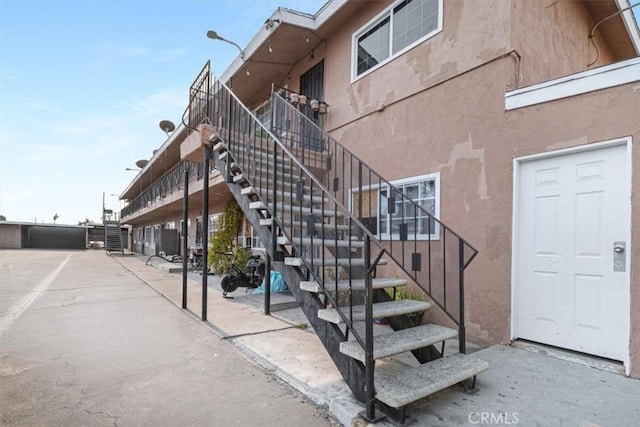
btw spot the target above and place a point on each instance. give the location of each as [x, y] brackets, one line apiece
[522, 387]
[91, 344]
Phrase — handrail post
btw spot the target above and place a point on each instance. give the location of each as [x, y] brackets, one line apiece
[369, 362]
[462, 340]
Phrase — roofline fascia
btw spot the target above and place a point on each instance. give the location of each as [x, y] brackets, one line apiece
[630, 24]
[160, 150]
[285, 16]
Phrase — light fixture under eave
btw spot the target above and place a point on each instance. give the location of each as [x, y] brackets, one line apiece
[270, 48]
[269, 23]
[167, 126]
[323, 107]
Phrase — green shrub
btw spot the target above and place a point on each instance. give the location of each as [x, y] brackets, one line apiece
[223, 242]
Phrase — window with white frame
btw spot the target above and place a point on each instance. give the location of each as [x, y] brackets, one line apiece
[385, 213]
[255, 239]
[214, 221]
[398, 28]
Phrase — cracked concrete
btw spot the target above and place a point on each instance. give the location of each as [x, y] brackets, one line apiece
[125, 350]
[100, 347]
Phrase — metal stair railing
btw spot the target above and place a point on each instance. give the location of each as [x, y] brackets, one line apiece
[427, 250]
[312, 231]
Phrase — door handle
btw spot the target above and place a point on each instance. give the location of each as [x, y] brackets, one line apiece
[619, 258]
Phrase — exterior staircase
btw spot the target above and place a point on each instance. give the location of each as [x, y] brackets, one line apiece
[306, 204]
[113, 237]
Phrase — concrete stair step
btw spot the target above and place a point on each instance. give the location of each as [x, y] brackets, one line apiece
[303, 210]
[318, 226]
[266, 167]
[287, 195]
[380, 310]
[356, 285]
[317, 241]
[220, 147]
[410, 385]
[400, 341]
[330, 262]
[300, 210]
[240, 178]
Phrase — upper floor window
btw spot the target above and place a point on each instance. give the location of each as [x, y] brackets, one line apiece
[397, 29]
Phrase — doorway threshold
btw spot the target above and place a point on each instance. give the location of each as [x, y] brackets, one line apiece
[595, 362]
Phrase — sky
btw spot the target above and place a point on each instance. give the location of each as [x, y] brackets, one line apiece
[84, 84]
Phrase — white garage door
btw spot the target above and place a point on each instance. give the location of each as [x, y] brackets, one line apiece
[572, 222]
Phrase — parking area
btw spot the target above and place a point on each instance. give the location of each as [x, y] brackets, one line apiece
[83, 341]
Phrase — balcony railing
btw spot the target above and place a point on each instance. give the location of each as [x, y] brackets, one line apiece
[166, 185]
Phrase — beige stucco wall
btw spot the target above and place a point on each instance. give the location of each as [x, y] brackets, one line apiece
[585, 119]
[467, 136]
[471, 35]
[437, 108]
[552, 39]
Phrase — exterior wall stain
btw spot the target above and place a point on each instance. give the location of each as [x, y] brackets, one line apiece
[465, 151]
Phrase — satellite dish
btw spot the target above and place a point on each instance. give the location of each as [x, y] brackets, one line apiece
[142, 163]
[167, 126]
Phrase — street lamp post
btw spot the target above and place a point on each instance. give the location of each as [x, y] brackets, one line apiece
[215, 36]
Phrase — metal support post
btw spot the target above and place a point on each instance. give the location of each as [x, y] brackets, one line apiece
[462, 339]
[267, 283]
[369, 362]
[205, 232]
[185, 234]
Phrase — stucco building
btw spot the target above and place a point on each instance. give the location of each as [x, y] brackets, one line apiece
[512, 121]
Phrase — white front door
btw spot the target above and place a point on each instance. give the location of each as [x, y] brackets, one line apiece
[571, 209]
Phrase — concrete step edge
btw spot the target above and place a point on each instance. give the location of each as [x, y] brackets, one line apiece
[402, 388]
[400, 341]
[381, 309]
[357, 284]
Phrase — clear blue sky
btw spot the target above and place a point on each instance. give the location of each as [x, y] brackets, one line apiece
[84, 83]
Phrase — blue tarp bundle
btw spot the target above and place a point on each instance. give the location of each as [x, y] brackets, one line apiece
[277, 284]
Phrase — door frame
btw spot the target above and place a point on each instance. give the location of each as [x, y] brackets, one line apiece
[515, 235]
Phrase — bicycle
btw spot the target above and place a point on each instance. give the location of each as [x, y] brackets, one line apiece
[238, 278]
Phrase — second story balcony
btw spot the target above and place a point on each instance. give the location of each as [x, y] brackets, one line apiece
[165, 195]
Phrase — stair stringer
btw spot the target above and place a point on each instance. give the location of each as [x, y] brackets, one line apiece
[329, 334]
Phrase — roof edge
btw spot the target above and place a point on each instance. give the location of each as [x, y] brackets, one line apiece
[174, 135]
[630, 24]
[284, 16]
